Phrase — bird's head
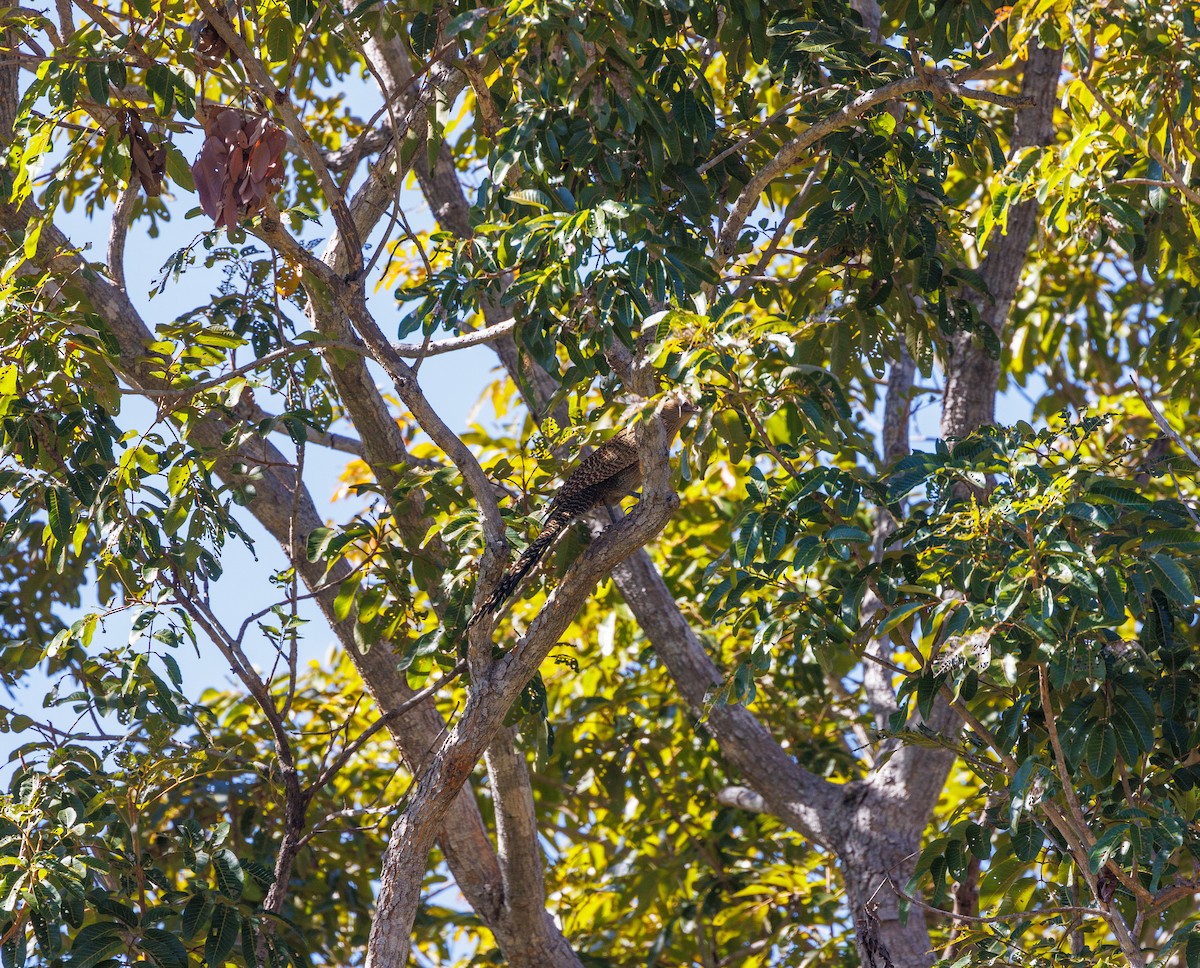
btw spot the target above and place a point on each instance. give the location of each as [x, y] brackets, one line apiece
[675, 414]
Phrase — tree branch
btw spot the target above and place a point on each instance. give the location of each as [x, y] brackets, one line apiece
[935, 81]
[1159, 419]
[490, 699]
[262, 78]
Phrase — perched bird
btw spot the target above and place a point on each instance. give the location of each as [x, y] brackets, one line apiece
[606, 475]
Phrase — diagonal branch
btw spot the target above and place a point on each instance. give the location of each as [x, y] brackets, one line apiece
[1159, 419]
[490, 699]
[933, 81]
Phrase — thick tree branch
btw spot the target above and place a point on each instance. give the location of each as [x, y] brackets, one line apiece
[122, 212]
[521, 860]
[972, 376]
[790, 792]
[489, 700]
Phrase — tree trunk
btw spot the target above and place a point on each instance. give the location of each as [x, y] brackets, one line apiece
[972, 376]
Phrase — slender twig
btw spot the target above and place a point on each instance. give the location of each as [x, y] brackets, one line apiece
[1159, 419]
[998, 918]
[761, 126]
[1177, 180]
[407, 350]
[296, 798]
[1060, 760]
[391, 716]
[253, 413]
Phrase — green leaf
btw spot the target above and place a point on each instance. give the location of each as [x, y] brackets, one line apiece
[899, 614]
[466, 22]
[1027, 839]
[344, 601]
[106, 904]
[96, 943]
[230, 876]
[1112, 596]
[96, 75]
[1107, 844]
[423, 33]
[249, 952]
[1101, 750]
[58, 510]
[1173, 579]
[745, 548]
[161, 84]
[846, 534]
[1118, 493]
[927, 690]
[166, 949]
[222, 935]
[533, 198]
[280, 40]
[178, 169]
[1133, 721]
[195, 913]
[978, 841]
[317, 545]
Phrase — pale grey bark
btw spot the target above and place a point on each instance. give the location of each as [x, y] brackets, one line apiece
[489, 699]
[522, 863]
[526, 936]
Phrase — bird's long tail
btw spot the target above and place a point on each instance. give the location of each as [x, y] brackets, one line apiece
[520, 568]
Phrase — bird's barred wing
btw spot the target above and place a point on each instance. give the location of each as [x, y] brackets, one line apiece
[613, 457]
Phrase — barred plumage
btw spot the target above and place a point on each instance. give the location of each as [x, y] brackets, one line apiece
[604, 477]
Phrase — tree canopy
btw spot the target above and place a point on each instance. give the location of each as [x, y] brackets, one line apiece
[827, 692]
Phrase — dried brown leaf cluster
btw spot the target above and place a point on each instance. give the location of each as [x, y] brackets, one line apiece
[240, 165]
[209, 46]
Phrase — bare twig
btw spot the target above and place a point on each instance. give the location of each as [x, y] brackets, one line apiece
[392, 715]
[122, 212]
[408, 350]
[1159, 419]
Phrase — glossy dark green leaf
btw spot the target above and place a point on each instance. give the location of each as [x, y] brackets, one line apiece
[1101, 750]
[230, 876]
[423, 33]
[97, 942]
[166, 949]
[222, 934]
[1172, 579]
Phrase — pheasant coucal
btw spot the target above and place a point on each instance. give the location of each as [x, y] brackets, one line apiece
[606, 475]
